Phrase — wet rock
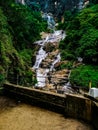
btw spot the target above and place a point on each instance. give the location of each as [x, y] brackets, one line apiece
[50, 62]
[57, 65]
[59, 78]
[44, 35]
[47, 62]
[49, 47]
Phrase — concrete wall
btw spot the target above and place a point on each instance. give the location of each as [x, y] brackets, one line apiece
[1, 91]
[70, 105]
[78, 107]
[95, 115]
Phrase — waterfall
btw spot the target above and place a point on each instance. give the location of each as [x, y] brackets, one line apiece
[46, 5]
[80, 5]
[21, 1]
[41, 73]
[50, 20]
[58, 58]
[55, 37]
[39, 57]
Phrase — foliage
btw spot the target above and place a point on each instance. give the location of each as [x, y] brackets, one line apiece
[82, 75]
[26, 55]
[93, 1]
[82, 36]
[34, 6]
[67, 55]
[2, 78]
[67, 19]
[82, 41]
[19, 28]
[25, 25]
[67, 65]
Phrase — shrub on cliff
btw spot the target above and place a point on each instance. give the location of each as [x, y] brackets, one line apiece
[82, 75]
[12, 65]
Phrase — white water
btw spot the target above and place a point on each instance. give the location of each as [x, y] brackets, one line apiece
[39, 57]
[23, 2]
[80, 5]
[41, 73]
[50, 20]
[58, 58]
[20, 1]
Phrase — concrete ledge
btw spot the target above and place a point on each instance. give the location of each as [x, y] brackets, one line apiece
[91, 98]
[70, 105]
[1, 91]
[78, 107]
[37, 97]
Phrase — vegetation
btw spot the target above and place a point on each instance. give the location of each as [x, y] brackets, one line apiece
[82, 75]
[82, 35]
[82, 41]
[19, 28]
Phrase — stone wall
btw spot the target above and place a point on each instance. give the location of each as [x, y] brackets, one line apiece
[70, 105]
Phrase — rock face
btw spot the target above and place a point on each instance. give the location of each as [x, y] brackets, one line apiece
[50, 72]
[54, 77]
[57, 7]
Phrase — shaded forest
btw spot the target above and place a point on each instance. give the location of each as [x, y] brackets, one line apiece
[19, 28]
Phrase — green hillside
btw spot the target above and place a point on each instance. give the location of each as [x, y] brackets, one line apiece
[19, 28]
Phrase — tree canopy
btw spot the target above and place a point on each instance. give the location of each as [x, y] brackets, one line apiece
[19, 28]
[82, 41]
[82, 35]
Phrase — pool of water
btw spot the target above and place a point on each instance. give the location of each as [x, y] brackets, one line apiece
[19, 116]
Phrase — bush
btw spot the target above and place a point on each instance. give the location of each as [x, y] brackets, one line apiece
[67, 65]
[19, 28]
[2, 78]
[82, 75]
[65, 55]
[82, 36]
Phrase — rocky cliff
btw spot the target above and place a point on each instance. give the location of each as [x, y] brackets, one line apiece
[57, 7]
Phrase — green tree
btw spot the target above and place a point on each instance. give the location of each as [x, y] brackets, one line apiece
[81, 76]
[19, 28]
[26, 25]
[82, 35]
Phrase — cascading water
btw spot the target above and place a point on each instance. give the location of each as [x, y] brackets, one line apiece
[20, 1]
[55, 37]
[58, 58]
[50, 20]
[41, 73]
[80, 5]
[39, 57]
